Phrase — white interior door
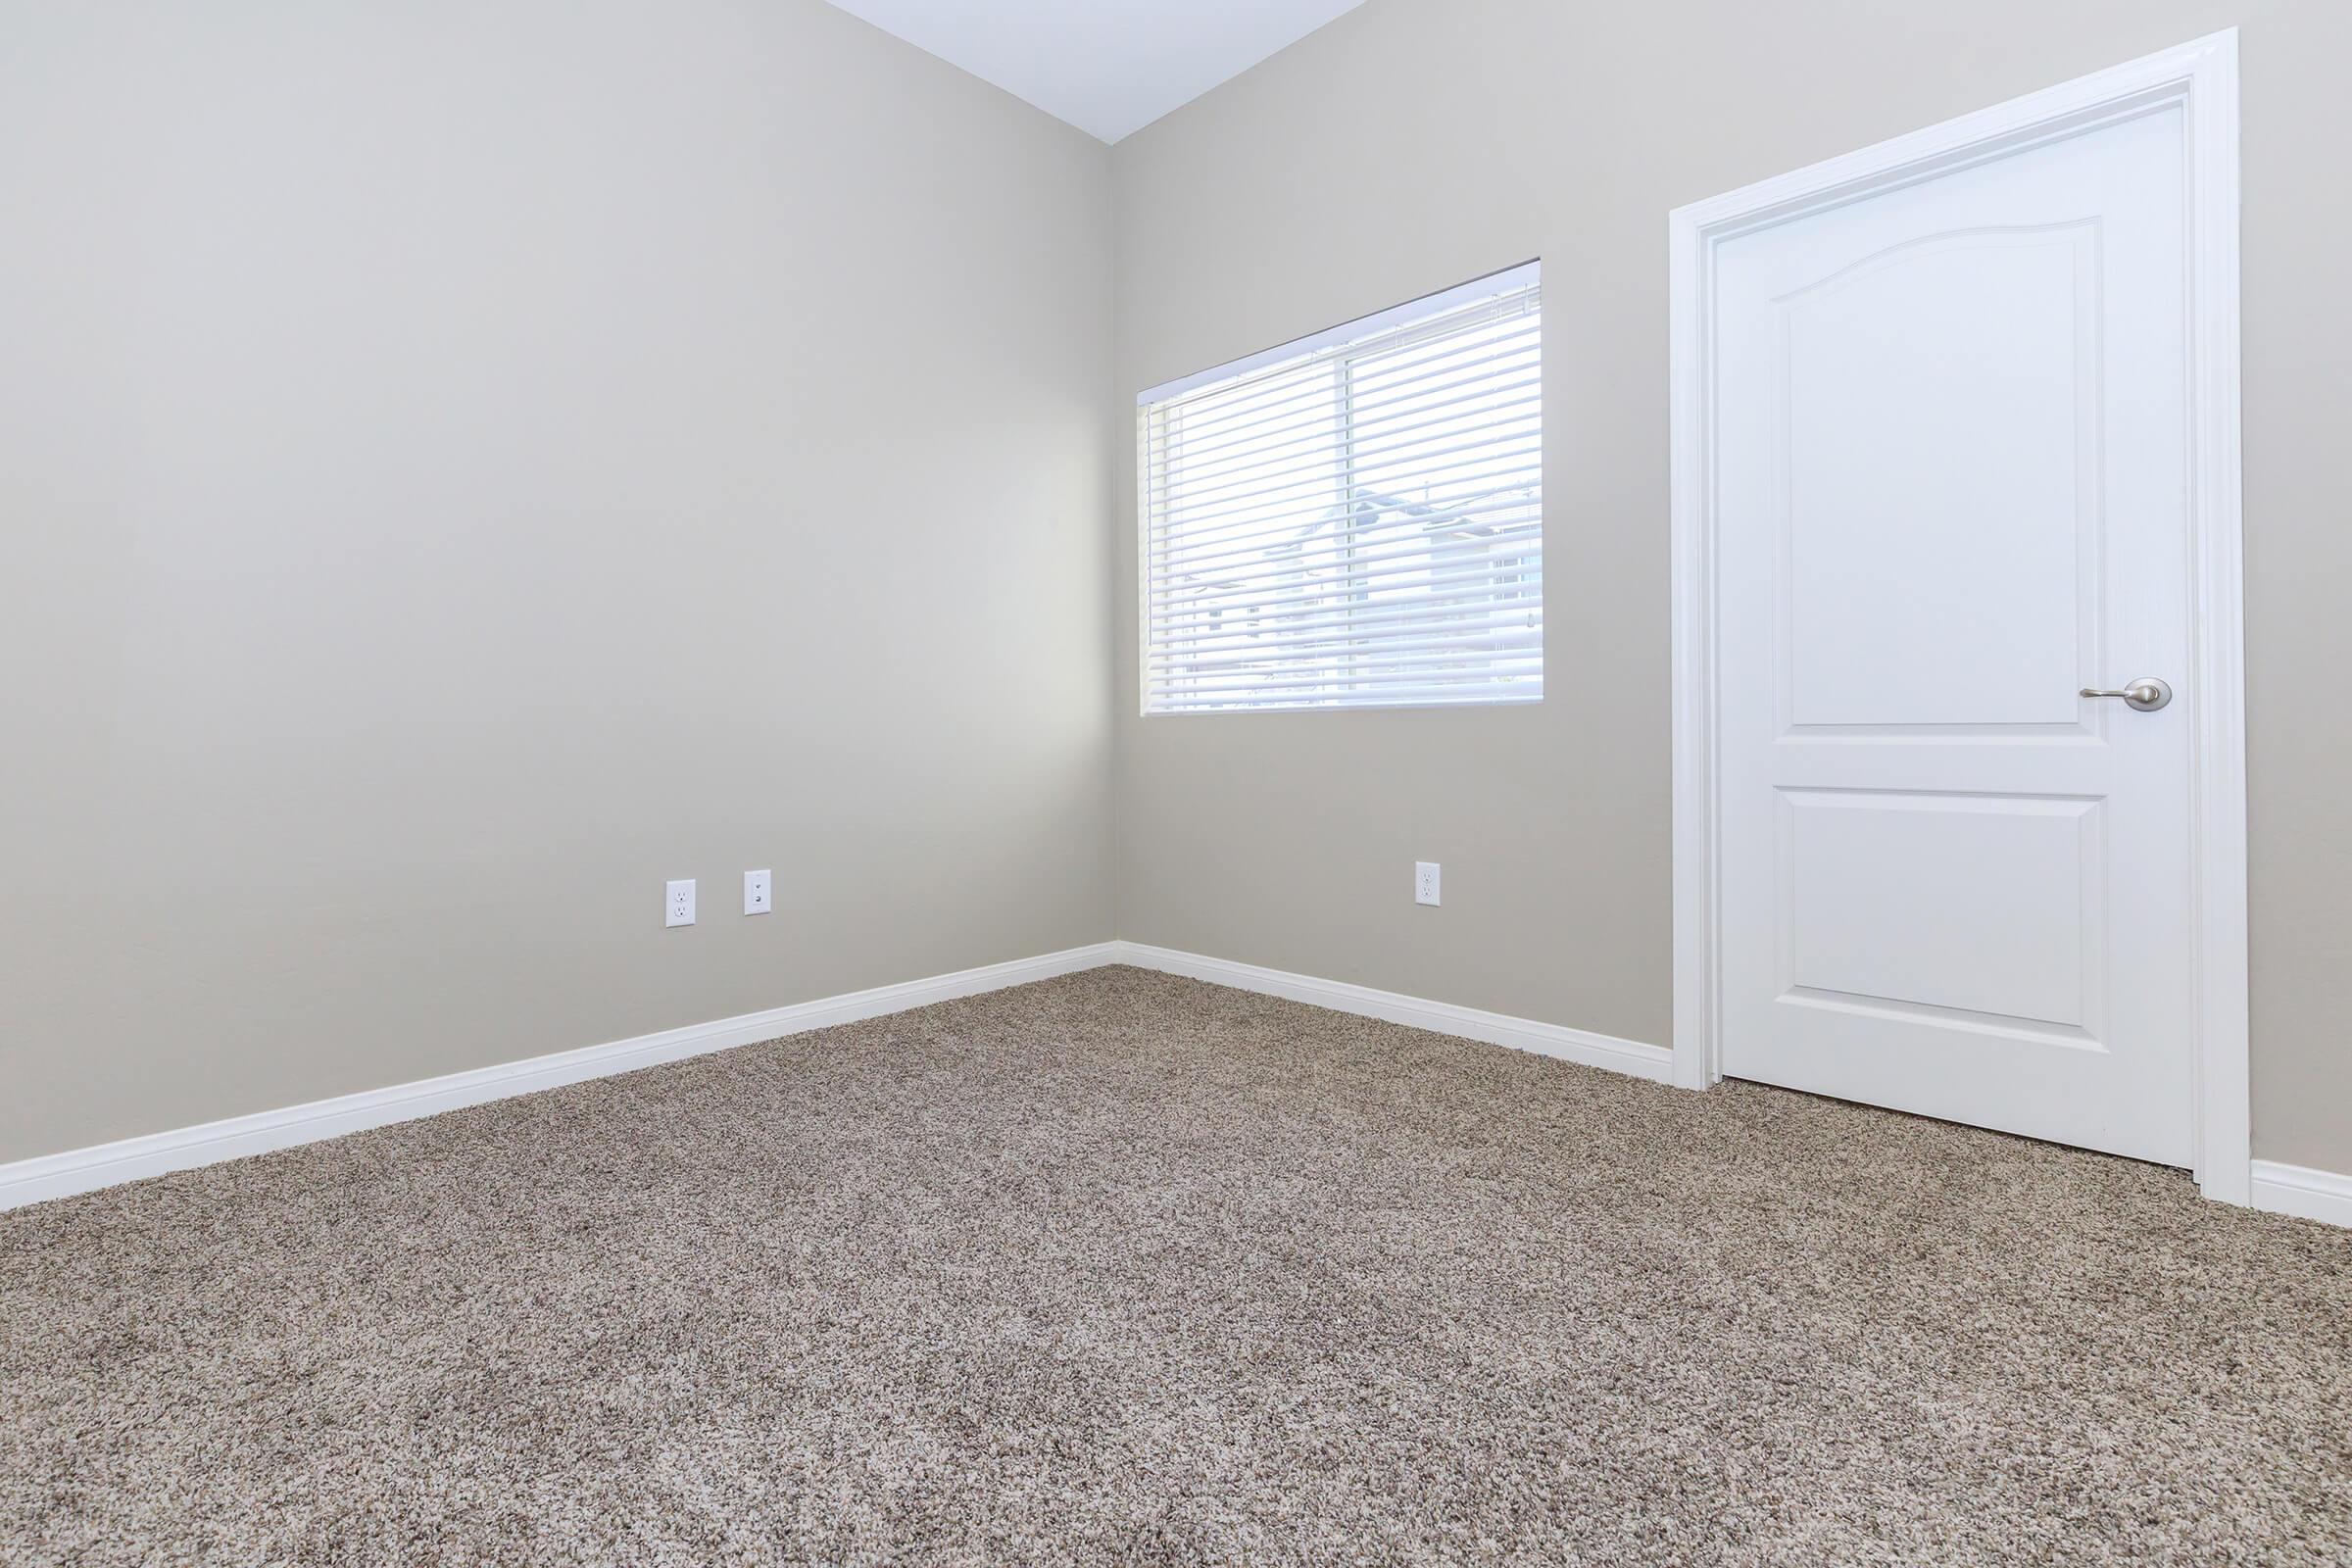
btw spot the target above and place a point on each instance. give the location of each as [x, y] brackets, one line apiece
[1953, 488]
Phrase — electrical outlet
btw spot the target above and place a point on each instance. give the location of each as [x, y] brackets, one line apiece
[680, 906]
[756, 885]
[1424, 881]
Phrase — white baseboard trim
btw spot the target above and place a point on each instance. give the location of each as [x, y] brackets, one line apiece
[1654, 1062]
[2299, 1190]
[82, 1170]
[2279, 1189]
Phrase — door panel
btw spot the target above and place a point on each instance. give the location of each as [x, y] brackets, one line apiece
[1995, 329]
[1952, 492]
[1998, 877]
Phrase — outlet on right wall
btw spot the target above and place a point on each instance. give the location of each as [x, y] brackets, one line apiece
[1413, 144]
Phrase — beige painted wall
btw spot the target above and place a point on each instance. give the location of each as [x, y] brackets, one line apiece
[1416, 143]
[461, 465]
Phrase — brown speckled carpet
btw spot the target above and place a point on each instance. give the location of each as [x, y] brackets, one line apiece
[1125, 1268]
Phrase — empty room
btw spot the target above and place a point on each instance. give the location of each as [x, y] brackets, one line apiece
[1128, 782]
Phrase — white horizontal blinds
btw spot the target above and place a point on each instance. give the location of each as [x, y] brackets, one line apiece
[1358, 523]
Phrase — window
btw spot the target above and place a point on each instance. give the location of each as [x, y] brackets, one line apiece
[1354, 520]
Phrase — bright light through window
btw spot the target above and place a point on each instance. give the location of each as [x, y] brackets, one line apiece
[1356, 519]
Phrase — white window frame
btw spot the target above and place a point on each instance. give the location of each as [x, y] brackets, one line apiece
[1374, 334]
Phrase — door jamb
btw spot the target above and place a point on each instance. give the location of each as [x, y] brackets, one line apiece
[2201, 77]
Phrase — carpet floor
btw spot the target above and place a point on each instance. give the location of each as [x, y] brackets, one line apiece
[1126, 1268]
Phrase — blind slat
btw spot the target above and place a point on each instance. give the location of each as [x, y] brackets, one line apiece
[1458, 648]
[1371, 417]
[1489, 499]
[1371, 412]
[1403, 697]
[1232, 402]
[1481, 503]
[1405, 622]
[1459, 474]
[1363, 458]
[1313, 453]
[1417, 619]
[1348, 679]
[1392, 574]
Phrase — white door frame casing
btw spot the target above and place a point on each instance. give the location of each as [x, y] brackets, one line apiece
[2201, 77]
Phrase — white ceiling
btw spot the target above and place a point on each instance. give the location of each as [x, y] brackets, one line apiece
[1108, 66]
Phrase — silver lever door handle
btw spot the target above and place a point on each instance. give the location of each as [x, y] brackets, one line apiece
[2147, 694]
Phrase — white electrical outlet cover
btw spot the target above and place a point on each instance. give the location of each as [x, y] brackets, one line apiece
[756, 889]
[678, 908]
[1424, 881]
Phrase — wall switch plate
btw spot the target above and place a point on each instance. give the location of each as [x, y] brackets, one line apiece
[680, 907]
[1424, 881]
[756, 887]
